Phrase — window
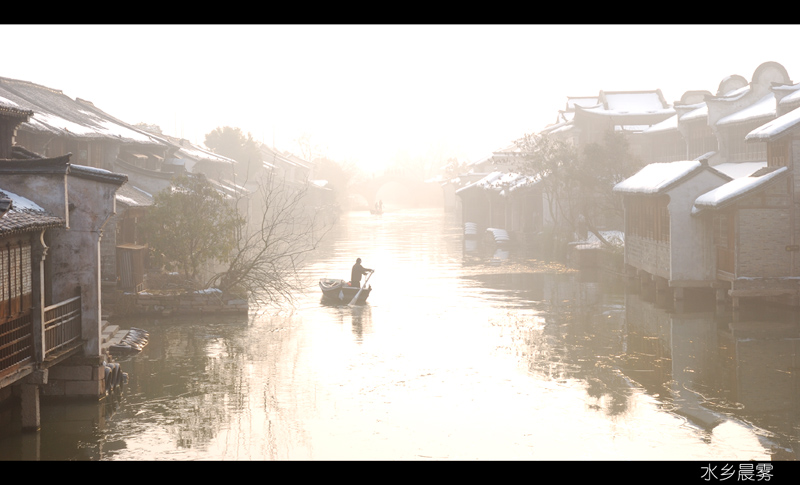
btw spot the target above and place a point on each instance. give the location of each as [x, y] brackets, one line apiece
[648, 217]
[701, 140]
[741, 151]
[15, 280]
[778, 153]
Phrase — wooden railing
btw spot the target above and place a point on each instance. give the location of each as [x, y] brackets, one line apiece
[62, 324]
[16, 344]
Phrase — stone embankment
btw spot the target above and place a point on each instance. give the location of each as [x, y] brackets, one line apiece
[167, 303]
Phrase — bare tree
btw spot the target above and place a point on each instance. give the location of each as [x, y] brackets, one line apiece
[552, 160]
[270, 249]
[578, 183]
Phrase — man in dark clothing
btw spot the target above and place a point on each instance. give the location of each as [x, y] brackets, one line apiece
[358, 270]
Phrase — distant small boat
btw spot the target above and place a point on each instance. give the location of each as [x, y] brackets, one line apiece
[340, 291]
[376, 211]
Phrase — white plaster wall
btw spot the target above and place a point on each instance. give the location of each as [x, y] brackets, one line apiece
[48, 191]
[690, 242]
[75, 252]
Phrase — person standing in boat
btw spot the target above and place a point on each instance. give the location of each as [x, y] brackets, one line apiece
[357, 272]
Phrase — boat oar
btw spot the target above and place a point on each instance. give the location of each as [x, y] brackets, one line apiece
[361, 289]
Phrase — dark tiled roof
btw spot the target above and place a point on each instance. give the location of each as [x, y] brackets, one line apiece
[19, 218]
[133, 196]
[7, 108]
[29, 162]
[98, 174]
[51, 111]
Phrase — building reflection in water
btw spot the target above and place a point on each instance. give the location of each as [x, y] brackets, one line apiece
[714, 366]
[697, 361]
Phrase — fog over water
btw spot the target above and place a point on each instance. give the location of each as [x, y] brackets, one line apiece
[464, 350]
[452, 358]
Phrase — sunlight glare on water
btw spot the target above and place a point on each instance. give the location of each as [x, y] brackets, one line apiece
[450, 359]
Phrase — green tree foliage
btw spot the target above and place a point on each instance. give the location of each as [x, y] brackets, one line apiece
[233, 143]
[191, 224]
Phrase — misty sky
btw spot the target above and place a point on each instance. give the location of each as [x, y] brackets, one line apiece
[374, 94]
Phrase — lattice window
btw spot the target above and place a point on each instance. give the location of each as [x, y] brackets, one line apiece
[778, 153]
[15, 278]
[701, 140]
[741, 151]
[648, 217]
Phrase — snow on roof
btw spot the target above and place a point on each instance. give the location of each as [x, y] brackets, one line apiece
[736, 170]
[584, 101]
[791, 98]
[614, 112]
[762, 108]
[735, 188]
[228, 189]
[503, 181]
[701, 112]
[25, 214]
[641, 102]
[96, 170]
[776, 127]
[559, 127]
[668, 124]
[272, 157]
[133, 196]
[631, 128]
[56, 113]
[198, 153]
[21, 203]
[522, 181]
[735, 93]
[99, 174]
[656, 177]
[8, 102]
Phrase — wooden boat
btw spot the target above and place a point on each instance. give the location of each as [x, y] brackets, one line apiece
[340, 291]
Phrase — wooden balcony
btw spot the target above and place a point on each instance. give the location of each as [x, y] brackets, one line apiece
[16, 344]
[62, 324]
[62, 337]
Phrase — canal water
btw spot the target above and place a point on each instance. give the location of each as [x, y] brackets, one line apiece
[462, 352]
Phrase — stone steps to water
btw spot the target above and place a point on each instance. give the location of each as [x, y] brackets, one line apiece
[132, 340]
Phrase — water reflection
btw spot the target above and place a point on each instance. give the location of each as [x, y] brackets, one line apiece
[708, 368]
[455, 356]
[357, 317]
